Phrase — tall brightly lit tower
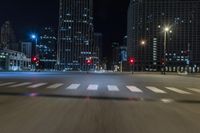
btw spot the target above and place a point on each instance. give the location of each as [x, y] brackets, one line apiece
[75, 34]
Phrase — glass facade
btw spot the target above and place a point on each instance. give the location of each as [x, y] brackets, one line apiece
[146, 21]
[8, 39]
[47, 48]
[75, 35]
[98, 41]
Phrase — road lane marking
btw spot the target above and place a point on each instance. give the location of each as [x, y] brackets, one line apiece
[8, 83]
[21, 84]
[73, 86]
[92, 87]
[134, 89]
[177, 90]
[194, 89]
[37, 85]
[113, 88]
[156, 90]
[54, 86]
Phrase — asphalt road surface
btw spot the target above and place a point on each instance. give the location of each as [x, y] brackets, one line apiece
[99, 103]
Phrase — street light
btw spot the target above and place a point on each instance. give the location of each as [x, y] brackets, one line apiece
[34, 37]
[166, 30]
[36, 55]
[142, 44]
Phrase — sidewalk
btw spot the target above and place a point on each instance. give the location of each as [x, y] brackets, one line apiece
[167, 73]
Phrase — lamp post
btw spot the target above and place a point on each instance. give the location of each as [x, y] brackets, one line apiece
[166, 30]
[142, 44]
[34, 37]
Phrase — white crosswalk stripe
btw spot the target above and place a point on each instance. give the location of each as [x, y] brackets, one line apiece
[21, 84]
[95, 87]
[177, 90]
[54, 86]
[155, 89]
[73, 87]
[8, 83]
[92, 87]
[134, 89]
[113, 88]
[37, 85]
[194, 89]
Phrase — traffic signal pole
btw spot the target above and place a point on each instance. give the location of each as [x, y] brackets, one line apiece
[132, 69]
[132, 62]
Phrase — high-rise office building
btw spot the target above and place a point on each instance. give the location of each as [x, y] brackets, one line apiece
[146, 22]
[115, 53]
[75, 34]
[26, 48]
[98, 42]
[125, 41]
[8, 39]
[47, 48]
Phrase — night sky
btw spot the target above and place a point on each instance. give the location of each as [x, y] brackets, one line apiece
[29, 16]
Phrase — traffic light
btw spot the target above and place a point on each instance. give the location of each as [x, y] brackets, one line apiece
[34, 59]
[89, 61]
[131, 60]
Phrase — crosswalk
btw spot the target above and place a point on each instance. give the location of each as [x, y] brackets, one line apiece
[96, 87]
[73, 87]
[37, 85]
[92, 87]
[5, 84]
[177, 90]
[134, 89]
[156, 90]
[21, 84]
[113, 88]
[194, 90]
[54, 86]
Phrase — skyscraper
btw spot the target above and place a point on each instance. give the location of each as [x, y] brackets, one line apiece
[98, 42]
[75, 34]
[26, 48]
[146, 22]
[47, 48]
[8, 39]
[115, 53]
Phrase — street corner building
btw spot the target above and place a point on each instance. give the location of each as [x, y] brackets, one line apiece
[146, 21]
[75, 35]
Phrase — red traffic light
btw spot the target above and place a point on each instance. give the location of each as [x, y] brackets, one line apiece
[89, 61]
[132, 60]
[34, 59]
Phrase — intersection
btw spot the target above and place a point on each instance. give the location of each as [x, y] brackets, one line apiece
[56, 102]
[105, 85]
